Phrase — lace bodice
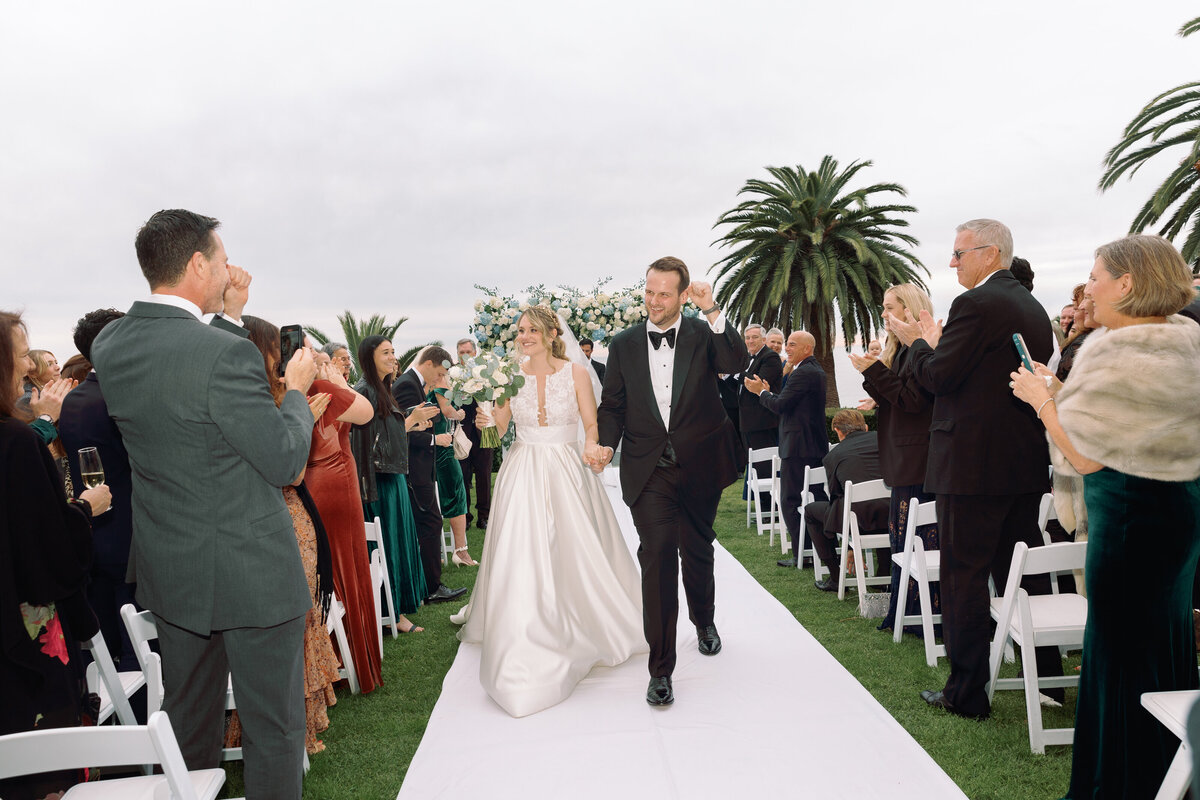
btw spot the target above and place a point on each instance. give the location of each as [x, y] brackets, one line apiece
[562, 408]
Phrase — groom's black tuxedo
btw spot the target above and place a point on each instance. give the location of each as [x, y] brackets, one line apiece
[672, 475]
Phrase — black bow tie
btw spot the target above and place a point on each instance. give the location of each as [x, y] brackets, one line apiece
[657, 338]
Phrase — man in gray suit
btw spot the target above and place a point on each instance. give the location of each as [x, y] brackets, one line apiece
[213, 552]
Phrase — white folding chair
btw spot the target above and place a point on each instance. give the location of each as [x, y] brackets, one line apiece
[447, 534]
[336, 627]
[113, 688]
[776, 513]
[386, 608]
[757, 485]
[142, 629]
[924, 567]
[56, 749]
[1050, 620]
[1172, 709]
[813, 477]
[858, 542]
[378, 577]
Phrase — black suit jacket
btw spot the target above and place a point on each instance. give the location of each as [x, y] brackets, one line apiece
[904, 411]
[705, 443]
[767, 365]
[85, 422]
[422, 461]
[856, 459]
[982, 439]
[596, 365]
[800, 407]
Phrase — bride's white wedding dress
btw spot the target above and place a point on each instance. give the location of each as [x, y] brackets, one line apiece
[558, 591]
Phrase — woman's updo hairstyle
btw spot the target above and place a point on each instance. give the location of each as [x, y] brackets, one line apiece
[546, 321]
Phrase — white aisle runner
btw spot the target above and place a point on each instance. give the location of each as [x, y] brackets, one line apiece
[772, 715]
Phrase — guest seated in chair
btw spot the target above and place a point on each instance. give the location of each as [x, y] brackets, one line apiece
[855, 459]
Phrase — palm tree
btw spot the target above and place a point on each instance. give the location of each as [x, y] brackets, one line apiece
[355, 331]
[1169, 120]
[807, 250]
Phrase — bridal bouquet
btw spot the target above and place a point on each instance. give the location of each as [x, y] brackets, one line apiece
[487, 379]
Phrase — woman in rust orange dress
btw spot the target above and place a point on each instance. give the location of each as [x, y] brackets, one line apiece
[332, 479]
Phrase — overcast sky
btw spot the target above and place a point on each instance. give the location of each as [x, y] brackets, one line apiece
[384, 157]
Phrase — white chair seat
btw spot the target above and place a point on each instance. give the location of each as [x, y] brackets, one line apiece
[1172, 709]
[924, 567]
[1056, 620]
[206, 783]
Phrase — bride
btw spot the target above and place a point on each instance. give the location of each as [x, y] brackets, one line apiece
[558, 592]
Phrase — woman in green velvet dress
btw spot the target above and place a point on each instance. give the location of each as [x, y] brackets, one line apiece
[451, 489]
[381, 454]
[1127, 421]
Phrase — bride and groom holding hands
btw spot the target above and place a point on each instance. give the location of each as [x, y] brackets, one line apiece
[558, 592]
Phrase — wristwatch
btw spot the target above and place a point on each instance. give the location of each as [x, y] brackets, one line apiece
[47, 418]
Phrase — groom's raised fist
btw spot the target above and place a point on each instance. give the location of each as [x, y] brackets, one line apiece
[701, 294]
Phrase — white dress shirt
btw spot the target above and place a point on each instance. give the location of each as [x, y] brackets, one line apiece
[662, 363]
[188, 306]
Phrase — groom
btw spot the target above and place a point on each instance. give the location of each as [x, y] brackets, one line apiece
[679, 450]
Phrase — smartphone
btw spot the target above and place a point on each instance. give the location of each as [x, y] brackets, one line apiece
[1023, 351]
[408, 411]
[291, 339]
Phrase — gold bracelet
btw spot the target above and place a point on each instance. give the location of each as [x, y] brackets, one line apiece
[1043, 405]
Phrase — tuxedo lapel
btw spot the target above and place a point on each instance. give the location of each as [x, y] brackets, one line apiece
[641, 368]
[685, 346]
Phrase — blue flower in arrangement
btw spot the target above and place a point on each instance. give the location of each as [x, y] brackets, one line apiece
[607, 310]
[499, 350]
[556, 305]
[484, 317]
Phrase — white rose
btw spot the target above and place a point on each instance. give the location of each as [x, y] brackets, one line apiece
[602, 298]
[592, 326]
[477, 370]
[566, 312]
[497, 393]
[502, 379]
[479, 305]
[493, 300]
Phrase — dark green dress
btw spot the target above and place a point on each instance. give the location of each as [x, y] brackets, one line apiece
[451, 490]
[1143, 542]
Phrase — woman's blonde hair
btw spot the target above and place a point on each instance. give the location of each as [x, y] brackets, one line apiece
[546, 321]
[914, 299]
[1162, 282]
[38, 374]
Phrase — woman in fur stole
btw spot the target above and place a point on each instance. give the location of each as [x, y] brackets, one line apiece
[1127, 421]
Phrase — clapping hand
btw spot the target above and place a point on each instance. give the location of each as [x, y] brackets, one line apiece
[867, 404]
[50, 399]
[756, 384]
[862, 362]
[318, 403]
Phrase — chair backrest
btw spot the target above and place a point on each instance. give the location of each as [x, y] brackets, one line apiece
[861, 493]
[103, 663]
[918, 514]
[1057, 557]
[761, 454]
[813, 476]
[374, 531]
[1046, 513]
[55, 749]
[141, 628]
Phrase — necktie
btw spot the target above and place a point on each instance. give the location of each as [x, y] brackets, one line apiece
[658, 338]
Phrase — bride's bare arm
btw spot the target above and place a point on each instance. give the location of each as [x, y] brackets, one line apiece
[587, 402]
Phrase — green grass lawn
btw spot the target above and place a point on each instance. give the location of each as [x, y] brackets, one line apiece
[372, 739]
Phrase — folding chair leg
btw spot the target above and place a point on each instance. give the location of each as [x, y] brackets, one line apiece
[931, 646]
[1033, 702]
[1179, 775]
[901, 602]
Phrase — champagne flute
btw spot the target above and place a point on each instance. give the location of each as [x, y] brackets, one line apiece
[90, 468]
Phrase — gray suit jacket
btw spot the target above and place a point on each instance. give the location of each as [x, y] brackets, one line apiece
[213, 545]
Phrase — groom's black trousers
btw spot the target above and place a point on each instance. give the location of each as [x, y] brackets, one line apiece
[674, 522]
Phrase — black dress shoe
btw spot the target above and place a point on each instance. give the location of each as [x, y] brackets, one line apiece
[786, 562]
[482, 525]
[659, 693]
[826, 584]
[710, 640]
[938, 700]
[444, 594]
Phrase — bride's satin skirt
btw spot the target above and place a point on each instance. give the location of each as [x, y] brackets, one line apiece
[558, 591]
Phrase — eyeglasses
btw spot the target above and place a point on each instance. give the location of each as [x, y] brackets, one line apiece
[343, 359]
[958, 254]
